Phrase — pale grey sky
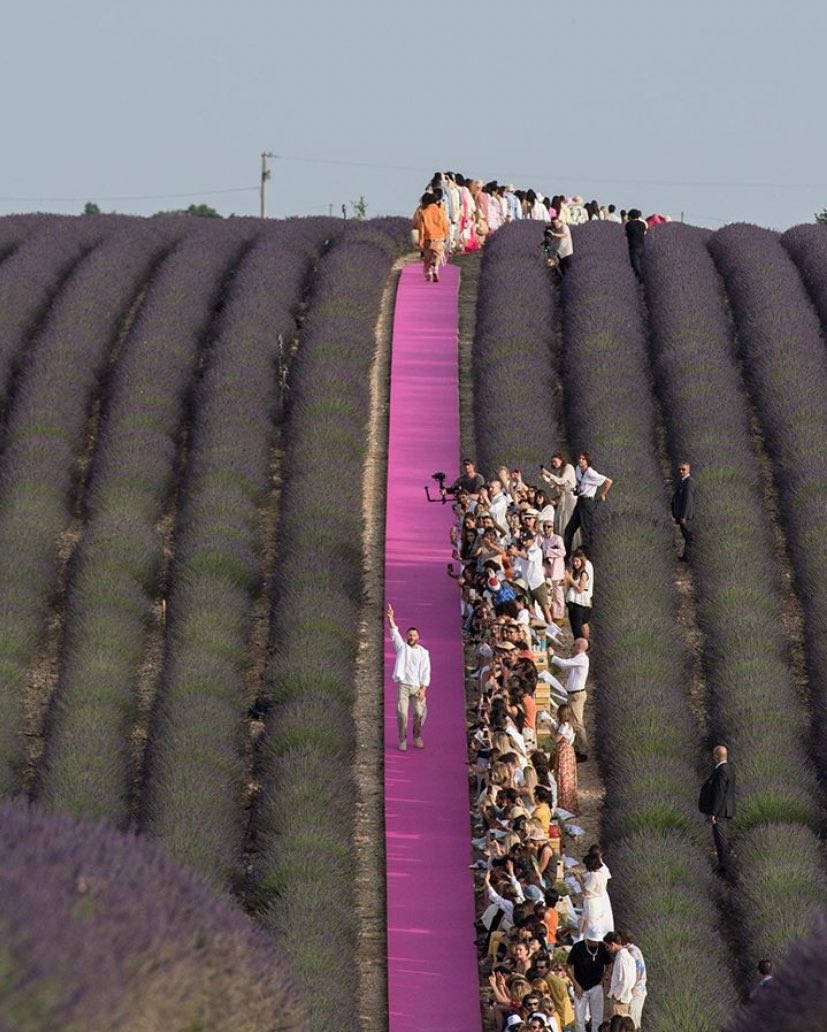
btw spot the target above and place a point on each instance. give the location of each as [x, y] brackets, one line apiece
[711, 108]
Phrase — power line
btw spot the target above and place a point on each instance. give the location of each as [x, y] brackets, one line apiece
[761, 185]
[133, 197]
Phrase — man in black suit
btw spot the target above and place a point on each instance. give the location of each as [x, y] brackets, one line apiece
[717, 801]
[683, 508]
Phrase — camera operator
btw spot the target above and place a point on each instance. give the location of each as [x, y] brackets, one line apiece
[469, 481]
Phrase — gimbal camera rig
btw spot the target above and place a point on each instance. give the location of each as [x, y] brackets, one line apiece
[443, 490]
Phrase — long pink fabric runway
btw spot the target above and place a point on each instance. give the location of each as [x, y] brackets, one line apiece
[432, 974]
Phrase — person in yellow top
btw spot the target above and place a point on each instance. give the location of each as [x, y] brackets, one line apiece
[434, 231]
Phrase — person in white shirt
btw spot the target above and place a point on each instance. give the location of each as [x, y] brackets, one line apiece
[498, 502]
[527, 557]
[578, 668]
[624, 975]
[412, 673]
[592, 487]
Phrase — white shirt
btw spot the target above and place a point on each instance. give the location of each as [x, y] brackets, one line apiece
[588, 482]
[532, 568]
[565, 247]
[578, 668]
[498, 506]
[613, 217]
[584, 597]
[566, 731]
[413, 662]
[624, 976]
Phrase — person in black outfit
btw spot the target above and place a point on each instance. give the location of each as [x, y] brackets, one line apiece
[586, 963]
[683, 508]
[635, 235]
[469, 480]
[717, 801]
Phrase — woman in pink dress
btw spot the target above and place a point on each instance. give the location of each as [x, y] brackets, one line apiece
[467, 216]
[554, 558]
[566, 761]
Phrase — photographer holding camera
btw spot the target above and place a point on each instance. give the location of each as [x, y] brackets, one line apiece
[469, 481]
[592, 487]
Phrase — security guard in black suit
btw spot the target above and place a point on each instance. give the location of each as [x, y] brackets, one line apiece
[717, 801]
[683, 508]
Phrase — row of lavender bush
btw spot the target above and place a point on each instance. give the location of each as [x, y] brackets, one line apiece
[513, 357]
[103, 931]
[44, 434]
[115, 573]
[40, 252]
[304, 870]
[782, 348]
[195, 772]
[750, 703]
[807, 246]
[663, 887]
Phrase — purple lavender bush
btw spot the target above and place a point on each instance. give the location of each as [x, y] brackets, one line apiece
[36, 266]
[103, 932]
[736, 580]
[115, 571]
[195, 770]
[303, 867]
[796, 998]
[646, 733]
[44, 434]
[648, 739]
[514, 353]
[807, 246]
[782, 349]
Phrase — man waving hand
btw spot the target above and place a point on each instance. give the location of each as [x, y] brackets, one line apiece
[412, 673]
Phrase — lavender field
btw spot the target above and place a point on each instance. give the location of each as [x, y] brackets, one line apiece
[173, 408]
[183, 412]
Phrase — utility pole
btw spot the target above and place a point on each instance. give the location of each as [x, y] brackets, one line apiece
[265, 175]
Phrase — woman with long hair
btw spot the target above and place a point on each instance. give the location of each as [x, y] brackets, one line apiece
[561, 477]
[578, 584]
[597, 907]
[566, 763]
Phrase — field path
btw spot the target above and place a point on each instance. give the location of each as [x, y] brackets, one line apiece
[432, 964]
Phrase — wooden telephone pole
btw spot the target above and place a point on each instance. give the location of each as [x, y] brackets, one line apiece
[265, 175]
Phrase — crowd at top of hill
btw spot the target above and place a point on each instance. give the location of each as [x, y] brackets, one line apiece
[457, 214]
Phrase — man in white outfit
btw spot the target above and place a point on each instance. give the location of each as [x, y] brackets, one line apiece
[412, 673]
[578, 668]
[624, 975]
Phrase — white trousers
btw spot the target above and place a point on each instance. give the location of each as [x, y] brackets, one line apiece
[589, 1005]
[636, 1009]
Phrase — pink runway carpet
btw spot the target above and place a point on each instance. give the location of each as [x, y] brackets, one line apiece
[432, 969]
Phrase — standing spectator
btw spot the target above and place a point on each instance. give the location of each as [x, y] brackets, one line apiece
[764, 977]
[597, 906]
[612, 215]
[683, 508]
[579, 589]
[587, 961]
[624, 975]
[498, 502]
[469, 480]
[639, 991]
[563, 478]
[560, 243]
[527, 558]
[635, 235]
[589, 483]
[554, 557]
[578, 668]
[717, 801]
[566, 760]
[412, 673]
